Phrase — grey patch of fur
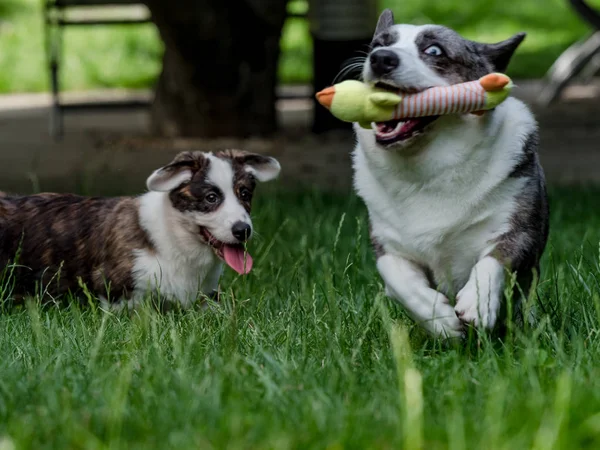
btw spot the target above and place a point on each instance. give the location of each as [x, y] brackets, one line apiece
[464, 60]
[383, 36]
[384, 39]
[377, 247]
[521, 248]
[501, 53]
[385, 21]
[429, 275]
[527, 166]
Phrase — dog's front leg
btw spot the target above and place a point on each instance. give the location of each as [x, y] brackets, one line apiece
[406, 283]
[479, 301]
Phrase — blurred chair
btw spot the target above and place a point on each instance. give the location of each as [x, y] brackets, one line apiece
[582, 58]
[341, 33]
[59, 14]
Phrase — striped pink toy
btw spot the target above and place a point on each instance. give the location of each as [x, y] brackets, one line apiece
[458, 98]
[354, 101]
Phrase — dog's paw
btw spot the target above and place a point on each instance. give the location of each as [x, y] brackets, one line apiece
[443, 322]
[478, 305]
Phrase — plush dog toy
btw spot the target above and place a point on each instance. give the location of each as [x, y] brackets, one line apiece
[354, 101]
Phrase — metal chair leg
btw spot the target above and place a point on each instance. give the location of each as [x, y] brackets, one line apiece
[56, 118]
[568, 66]
[591, 69]
[53, 38]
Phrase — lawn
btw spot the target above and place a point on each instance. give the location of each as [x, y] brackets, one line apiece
[306, 352]
[131, 56]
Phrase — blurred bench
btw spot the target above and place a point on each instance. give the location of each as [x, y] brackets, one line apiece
[582, 58]
[340, 29]
[59, 14]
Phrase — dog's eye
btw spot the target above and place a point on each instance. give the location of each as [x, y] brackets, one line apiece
[433, 50]
[245, 194]
[212, 198]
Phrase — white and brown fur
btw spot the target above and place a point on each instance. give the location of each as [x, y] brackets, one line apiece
[457, 205]
[122, 248]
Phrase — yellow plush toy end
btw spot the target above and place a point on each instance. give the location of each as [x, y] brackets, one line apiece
[351, 100]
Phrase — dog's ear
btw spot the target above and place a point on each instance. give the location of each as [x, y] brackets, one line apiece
[499, 54]
[263, 168]
[169, 177]
[386, 20]
[177, 172]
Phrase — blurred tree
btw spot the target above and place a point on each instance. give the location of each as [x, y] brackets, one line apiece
[219, 67]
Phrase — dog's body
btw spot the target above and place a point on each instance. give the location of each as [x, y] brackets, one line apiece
[454, 203]
[171, 240]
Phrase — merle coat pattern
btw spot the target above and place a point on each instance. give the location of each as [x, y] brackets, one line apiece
[455, 202]
[172, 239]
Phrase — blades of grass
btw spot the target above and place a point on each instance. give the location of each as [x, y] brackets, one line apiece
[550, 432]
[410, 385]
[494, 417]
[118, 404]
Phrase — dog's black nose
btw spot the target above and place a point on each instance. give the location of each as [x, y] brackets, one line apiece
[241, 231]
[383, 61]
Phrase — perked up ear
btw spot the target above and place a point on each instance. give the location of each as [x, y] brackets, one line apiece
[386, 20]
[263, 168]
[169, 177]
[499, 54]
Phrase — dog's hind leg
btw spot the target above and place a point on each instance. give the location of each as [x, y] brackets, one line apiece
[408, 284]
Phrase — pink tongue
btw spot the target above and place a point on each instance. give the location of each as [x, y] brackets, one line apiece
[237, 258]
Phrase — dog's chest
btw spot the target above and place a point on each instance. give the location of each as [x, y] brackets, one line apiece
[443, 234]
[176, 277]
[446, 229]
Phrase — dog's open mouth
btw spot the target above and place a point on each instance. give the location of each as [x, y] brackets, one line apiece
[394, 131]
[234, 255]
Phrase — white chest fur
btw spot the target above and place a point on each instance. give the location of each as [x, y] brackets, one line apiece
[180, 267]
[444, 205]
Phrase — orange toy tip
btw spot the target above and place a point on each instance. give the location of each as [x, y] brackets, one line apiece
[325, 97]
[494, 81]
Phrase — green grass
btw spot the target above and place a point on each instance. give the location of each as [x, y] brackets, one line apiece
[306, 352]
[131, 56]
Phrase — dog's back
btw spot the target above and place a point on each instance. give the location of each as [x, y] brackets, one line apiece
[53, 240]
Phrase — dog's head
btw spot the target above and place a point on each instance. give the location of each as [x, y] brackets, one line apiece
[212, 192]
[413, 58]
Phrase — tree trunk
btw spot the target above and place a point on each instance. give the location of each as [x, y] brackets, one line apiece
[219, 67]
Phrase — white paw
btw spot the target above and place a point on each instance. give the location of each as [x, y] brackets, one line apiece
[444, 323]
[478, 304]
[431, 310]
